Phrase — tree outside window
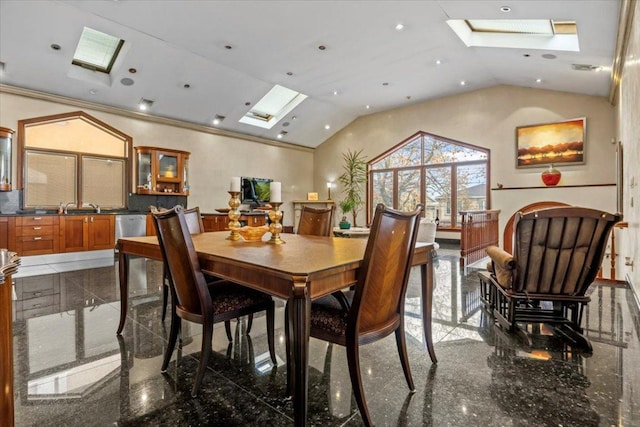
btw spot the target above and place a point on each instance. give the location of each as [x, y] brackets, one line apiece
[446, 176]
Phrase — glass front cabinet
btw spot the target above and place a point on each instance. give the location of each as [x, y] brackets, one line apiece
[5, 159]
[162, 171]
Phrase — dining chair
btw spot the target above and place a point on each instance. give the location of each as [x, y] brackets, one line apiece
[193, 299]
[316, 221]
[384, 272]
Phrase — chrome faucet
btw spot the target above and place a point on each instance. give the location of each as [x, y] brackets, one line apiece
[66, 207]
[96, 207]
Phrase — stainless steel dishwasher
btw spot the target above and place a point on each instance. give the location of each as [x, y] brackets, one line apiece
[131, 226]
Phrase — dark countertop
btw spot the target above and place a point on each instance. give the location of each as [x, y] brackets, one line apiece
[72, 212]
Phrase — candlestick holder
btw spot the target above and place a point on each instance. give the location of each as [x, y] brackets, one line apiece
[275, 215]
[234, 215]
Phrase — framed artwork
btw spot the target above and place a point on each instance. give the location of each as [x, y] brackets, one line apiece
[559, 143]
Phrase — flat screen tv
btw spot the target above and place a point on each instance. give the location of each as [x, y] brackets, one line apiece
[255, 191]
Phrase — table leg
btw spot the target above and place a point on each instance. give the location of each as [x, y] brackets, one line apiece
[123, 269]
[426, 273]
[299, 307]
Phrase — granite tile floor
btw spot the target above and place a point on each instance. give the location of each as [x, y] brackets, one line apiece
[72, 370]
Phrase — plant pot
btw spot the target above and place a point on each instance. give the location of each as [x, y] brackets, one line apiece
[344, 225]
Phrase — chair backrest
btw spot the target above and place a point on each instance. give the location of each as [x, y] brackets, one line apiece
[316, 221]
[378, 301]
[181, 260]
[194, 220]
[559, 250]
[507, 236]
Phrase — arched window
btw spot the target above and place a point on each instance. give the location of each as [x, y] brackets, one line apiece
[446, 176]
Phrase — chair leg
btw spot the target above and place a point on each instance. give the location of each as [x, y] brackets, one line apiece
[207, 336]
[165, 293]
[288, 345]
[404, 358]
[249, 323]
[173, 336]
[270, 331]
[227, 328]
[353, 358]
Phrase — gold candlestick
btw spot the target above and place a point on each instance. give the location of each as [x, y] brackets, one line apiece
[234, 215]
[275, 215]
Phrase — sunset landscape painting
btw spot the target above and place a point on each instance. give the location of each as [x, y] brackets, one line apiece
[551, 143]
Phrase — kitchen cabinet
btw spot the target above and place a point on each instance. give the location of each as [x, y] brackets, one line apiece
[4, 232]
[36, 235]
[162, 171]
[87, 232]
[215, 222]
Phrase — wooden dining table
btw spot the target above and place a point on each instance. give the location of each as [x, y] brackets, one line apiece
[301, 270]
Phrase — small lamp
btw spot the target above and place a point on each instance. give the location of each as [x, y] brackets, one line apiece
[5, 158]
[328, 191]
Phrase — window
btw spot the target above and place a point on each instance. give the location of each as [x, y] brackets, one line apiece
[446, 176]
[277, 103]
[73, 158]
[97, 51]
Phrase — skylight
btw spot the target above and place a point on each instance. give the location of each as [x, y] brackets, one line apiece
[543, 34]
[277, 103]
[96, 50]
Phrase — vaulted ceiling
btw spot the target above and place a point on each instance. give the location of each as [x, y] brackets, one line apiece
[199, 59]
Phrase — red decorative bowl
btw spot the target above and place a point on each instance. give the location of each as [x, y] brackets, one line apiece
[551, 177]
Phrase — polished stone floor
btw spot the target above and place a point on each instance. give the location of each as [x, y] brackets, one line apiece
[72, 370]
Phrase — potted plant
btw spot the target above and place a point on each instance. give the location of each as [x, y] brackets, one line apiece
[346, 206]
[353, 180]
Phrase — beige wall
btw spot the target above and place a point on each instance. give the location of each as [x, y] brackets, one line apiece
[214, 158]
[628, 115]
[488, 118]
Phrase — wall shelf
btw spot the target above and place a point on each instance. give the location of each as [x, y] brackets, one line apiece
[555, 186]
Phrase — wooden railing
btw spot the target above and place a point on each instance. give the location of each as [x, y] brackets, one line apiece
[479, 230]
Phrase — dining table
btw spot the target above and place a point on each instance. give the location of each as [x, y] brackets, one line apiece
[300, 270]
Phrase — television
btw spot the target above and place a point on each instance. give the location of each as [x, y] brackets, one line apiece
[255, 191]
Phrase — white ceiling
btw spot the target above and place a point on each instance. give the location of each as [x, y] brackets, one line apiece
[173, 43]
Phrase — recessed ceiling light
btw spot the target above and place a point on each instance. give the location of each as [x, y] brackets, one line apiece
[294, 117]
[133, 70]
[93, 91]
[526, 55]
[228, 47]
[327, 127]
[285, 124]
[282, 134]
[55, 46]
[549, 56]
[408, 97]
[385, 84]
[335, 92]
[462, 83]
[247, 103]
[438, 62]
[127, 81]
[145, 104]
[322, 47]
[289, 73]
[505, 9]
[186, 86]
[399, 27]
[218, 119]
[538, 80]
[367, 106]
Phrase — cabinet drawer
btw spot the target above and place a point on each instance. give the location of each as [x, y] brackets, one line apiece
[40, 302]
[37, 286]
[35, 220]
[35, 230]
[36, 245]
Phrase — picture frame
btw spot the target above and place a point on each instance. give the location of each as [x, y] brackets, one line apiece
[312, 196]
[556, 143]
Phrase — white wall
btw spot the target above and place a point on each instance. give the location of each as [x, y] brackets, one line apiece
[488, 118]
[214, 159]
[628, 114]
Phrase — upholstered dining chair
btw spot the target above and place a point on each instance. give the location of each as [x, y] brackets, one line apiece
[194, 224]
[193, 299]
[556, 257]
[384, 272]
[316, 221]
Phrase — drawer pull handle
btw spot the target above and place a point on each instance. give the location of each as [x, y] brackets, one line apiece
[37, 294]
[37, 218]
[37, 238]
[36, 305]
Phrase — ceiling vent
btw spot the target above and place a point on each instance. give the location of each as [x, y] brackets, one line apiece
[585, 67]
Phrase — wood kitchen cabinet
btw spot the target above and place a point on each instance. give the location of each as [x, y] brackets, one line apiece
[4, 232]
[87, 232]
[36, 235]
[215, 222]
[162, 171]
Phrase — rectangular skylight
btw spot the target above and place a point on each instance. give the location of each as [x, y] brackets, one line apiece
[543, 34]
[276, 104]
[96, 50]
